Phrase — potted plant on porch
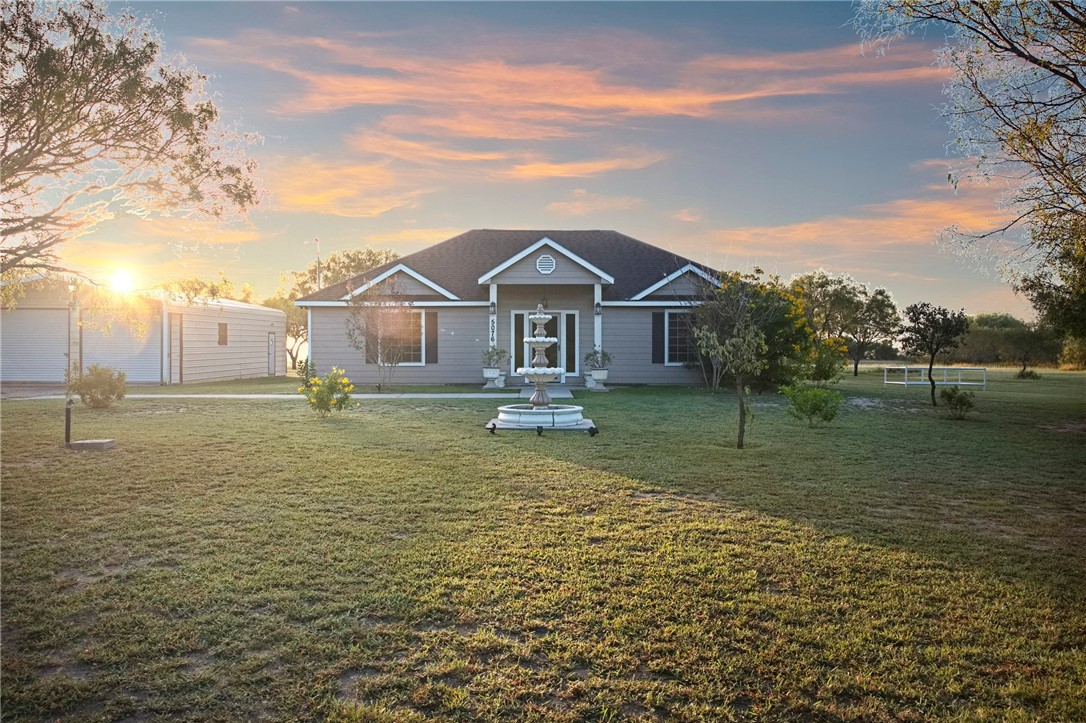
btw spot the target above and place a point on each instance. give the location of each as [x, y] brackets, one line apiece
[597, 362]
[493, 359]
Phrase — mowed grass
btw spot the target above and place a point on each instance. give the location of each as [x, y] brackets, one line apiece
[236, 560]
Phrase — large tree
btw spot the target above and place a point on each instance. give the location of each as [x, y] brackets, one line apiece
[95, 123]
[840, 307]
[337, 266]
[931, 330]
[1017, 109]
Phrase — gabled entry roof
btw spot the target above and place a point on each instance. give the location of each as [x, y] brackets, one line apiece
[461, 265]
[546, 243]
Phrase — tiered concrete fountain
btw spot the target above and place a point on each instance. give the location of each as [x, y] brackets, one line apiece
[539, 414]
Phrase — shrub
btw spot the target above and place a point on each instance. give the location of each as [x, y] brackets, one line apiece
[99, 386]
[815, 404]
[494, 357]
[958, 402]
[598, 359]
[828, 361]
[306, 369]
[1074, 353]
[330, 394]
[1027, 374]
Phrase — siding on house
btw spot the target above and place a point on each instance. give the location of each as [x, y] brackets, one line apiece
[461, 340]
[401, 283]
[566, 271]
[627, 335]
[687, 285]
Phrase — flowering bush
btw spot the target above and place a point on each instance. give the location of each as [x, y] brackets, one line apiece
[330, 394]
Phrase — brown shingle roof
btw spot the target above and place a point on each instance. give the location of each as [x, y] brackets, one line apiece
[457, 264]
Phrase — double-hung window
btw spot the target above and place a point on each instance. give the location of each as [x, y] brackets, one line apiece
[402, 338]
[679, 347]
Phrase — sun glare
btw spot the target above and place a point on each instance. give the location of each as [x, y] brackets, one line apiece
[122, 281]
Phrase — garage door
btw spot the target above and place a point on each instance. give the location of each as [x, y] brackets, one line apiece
[33, 345]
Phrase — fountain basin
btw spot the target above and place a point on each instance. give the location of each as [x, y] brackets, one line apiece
[556, 417]
[548, 417]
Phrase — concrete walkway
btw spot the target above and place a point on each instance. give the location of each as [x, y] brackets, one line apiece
[556, 392]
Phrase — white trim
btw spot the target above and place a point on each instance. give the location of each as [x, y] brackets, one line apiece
[561, 316]
[492, 320]
[597, 321]
[645, 304]
[605, 277]
[689, 268]
[667, 339]
[407, 270]
[422, 343]
[418, 304]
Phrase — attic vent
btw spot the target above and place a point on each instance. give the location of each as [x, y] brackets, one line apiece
[545, 264]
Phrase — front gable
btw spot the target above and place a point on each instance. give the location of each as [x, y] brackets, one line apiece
[402, 280]
[546, 262]
[689, 281]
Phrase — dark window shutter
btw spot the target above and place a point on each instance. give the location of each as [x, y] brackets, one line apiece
[657, 337]
[371, 348]
[431, 337]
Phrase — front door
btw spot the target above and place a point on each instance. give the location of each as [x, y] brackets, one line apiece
[271, 353]
[563, 326]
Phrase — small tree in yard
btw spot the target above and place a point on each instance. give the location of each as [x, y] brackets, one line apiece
[384, 329]
[930, 331]
[337, 266]
[740, 331]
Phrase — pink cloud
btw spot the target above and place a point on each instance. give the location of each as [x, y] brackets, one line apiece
[515, 82]
[576, 169]
[584, 203]
[335, 187]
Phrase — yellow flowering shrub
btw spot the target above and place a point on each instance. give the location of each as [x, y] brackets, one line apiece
[332, 393]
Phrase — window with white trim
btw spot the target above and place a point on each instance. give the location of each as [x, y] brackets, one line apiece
[402, 338]
[679, 347]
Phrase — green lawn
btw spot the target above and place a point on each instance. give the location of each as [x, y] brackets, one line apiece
[236, 560]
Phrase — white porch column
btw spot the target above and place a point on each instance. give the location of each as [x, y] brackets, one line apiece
[493, 330]
[597, 320]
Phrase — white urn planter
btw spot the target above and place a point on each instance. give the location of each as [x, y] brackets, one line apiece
[494, 378]
[595, 379]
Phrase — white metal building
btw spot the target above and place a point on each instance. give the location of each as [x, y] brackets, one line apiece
[151, 339]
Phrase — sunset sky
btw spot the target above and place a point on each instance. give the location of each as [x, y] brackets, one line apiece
[737, 134]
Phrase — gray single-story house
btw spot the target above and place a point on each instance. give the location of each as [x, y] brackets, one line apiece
[153, 339]
[476, 290]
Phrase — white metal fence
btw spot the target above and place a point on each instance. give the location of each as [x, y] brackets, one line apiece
[943, 376]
